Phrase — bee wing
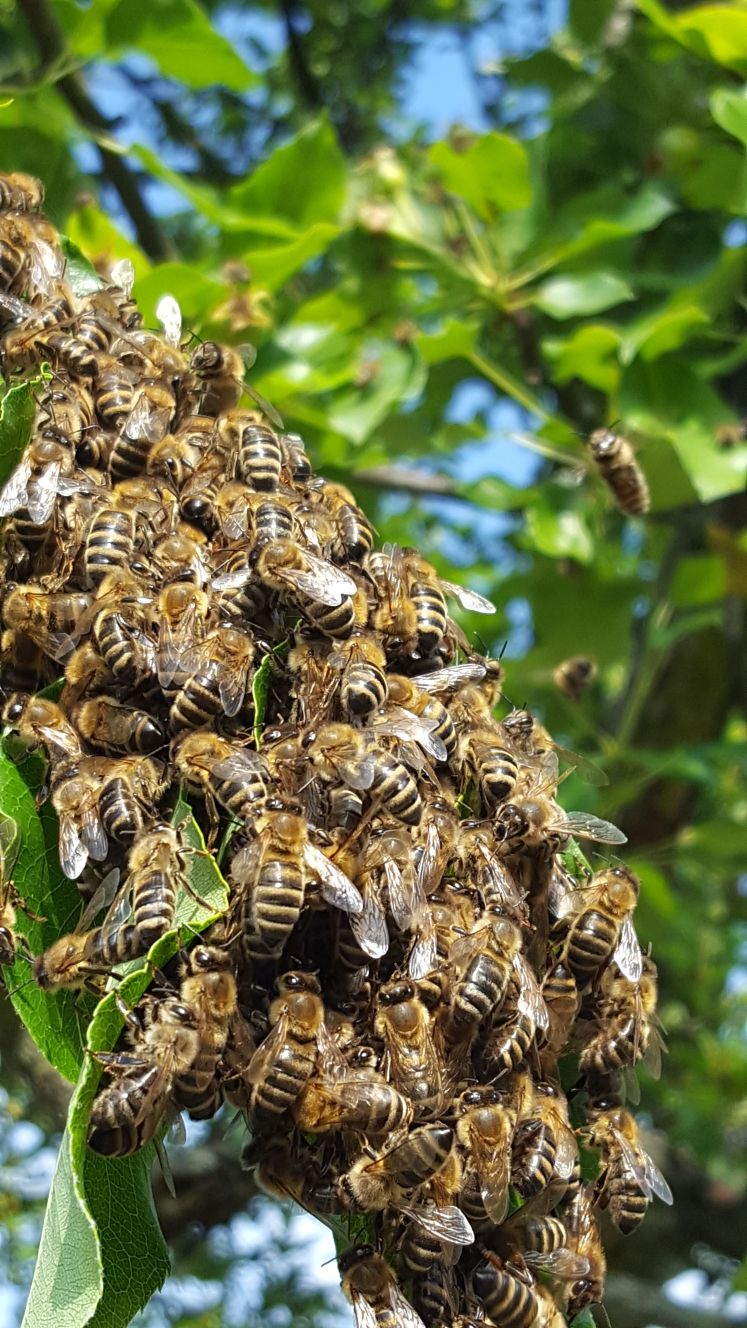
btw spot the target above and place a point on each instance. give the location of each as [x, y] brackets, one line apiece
[446, 1222]
[653, 1053]
[584, 768]
[628, 955]
[656, 1183]
[530, 1000]
[169, 316]
[369, 927]
[42, 491]
[402, 894]
[232, 687]
[102, 897]
[566, 1155]
[563, 1262]
[337, 888]
[14, 494]
[73, 853]
[423, 956]
[469, 599]
[363, 1313]
[586, 826]
[47, 265]
[401, 723]
[10, 841]
[240, 764]
[428, 874]
[240, 576]
[123, 275]
[494, 1173]
[450, 679]
[176, 645]
[563, 893]
[322, 581]
[498, 880]
[147, 420]
[267, 1051]
[263, 403]
[93, 834]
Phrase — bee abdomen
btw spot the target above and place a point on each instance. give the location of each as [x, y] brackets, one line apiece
[154, 903]
[121, 812]
[612, 1049]
[536, 1159]
[276, 908]
[510, 1045]
[109, 544]
[260, 458]
[430, 615]
[292, 1069]
[395, 787]
[335, 620]
[591, 942]
[364, 689]
[479, 993]
[196, 704]
[497, 777]
[128, 457]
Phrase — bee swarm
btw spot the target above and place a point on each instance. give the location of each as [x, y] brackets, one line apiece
[406, 958]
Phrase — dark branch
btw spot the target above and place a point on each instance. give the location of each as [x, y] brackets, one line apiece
[411, 481]
[50, 42]
[309, 90]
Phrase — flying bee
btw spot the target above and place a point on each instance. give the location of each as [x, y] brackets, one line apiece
[272, 873]
[75, 797]
[616, 462]
[340, 753]
[130, 788]
[256, 448]
[581, 1222]
[127, 1112]
[545, 1151]
[220, 678]
[626, 1024]
[573, 676]
[412, 610]
[20, 192]
[595, 924]
[404, 1025]
[629, 1179]
[41, 723]
[208, 987]
[111, 726]
[322, 593]
[372, 1289]
[484, 1128]
[49, 618]
[286, 1059]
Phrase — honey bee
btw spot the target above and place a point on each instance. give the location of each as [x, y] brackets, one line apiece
[573, 676]
[351, 1096]
[560, 994]
[361, 663]
[372, 1289]
[286, 1059]
[221, 672]
[9, 897]
[219, 371]
[272, 873]
[110, 542]
[81, 958]
[536, 820]
[484, 1128]
[155, 875]
[404, 1025]
[23, 662]
[113, 391]
[534, 746]
[353, 534]
[627, 1027]
[255, 446]
[240, 1047]
[152, 406]
[508, 1297]
[181, 555]
[183, 609]
[545, 1151]
[127, 1112]
[41, 723]
[629, 1179]
[341, 753]
[322, 593]
[618, 467]
[20, 192]
[596, 924]
[177, 456]
[208, 987]
[49, 618]
[111, 726]
[523, 1018]
[392, 1178]
[64, 414]
[43, 472]
[222, 773]
[485, 961]
[75, 798]
[411, 614]
[405, 693]
[288, 1170]
[130, 787]
[121, 619]
[581, 1222]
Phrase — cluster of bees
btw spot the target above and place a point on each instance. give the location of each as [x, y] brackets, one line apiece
[410, 991]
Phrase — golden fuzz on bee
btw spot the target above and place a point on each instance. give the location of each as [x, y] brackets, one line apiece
[404, 957]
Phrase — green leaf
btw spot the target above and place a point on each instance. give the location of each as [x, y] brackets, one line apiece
[492, 174]
[272, 264]
[101, 1254]
[588, 18]
[729, 110]
[94, 233]
[203, 874]
[569, 295]
[260, 693]
[590, 353]
[195, 293]
[399, 374]
[456, 339]
[179, 38]
[699, 579]
[559, 534]
[717, 32]
[665, 330]
[79, 272]
[302, 183]
[55, 1022]
[17, 411]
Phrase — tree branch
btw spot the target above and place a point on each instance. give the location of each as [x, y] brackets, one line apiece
[50, 42]
[308, 87]
[411, 481]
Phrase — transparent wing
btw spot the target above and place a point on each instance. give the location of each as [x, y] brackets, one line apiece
[566, 1155]
[363, 1313]
[337, 888]
[14, 494]
[403, 901]
[169, 316]
[42, 491]
[321, 581]
[405, 1314]
[148, 419]
[10, 841]
[239, 765]
[101, 898]
[73, 854]
[560, 1263]
[401, 723]
[584, 768]
[267, 1051]
[446, 1222]
[370, 929]
[530, 1000]
[586, 826]
[93, 834]
[123, 275]
[429, 867]
[494, 1173]
[628, 955]
[469, 599]
[423, 956]
[240, 576]
[264, 405]
[497, 880]
[450, 679]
